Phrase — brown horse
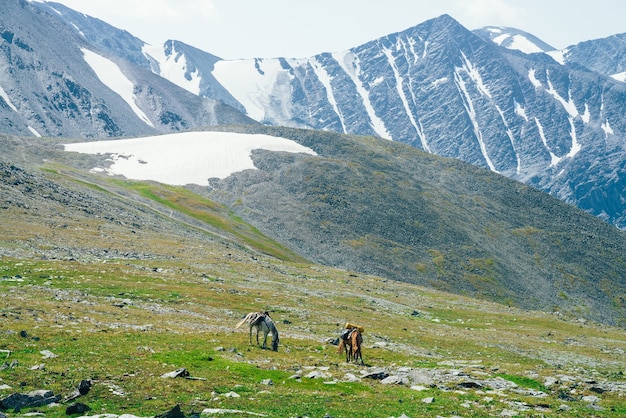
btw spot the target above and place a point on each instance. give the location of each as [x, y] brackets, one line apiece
[351, 344]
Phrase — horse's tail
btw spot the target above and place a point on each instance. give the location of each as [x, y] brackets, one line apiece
[243, 321]
[275, 338]
[341, 346]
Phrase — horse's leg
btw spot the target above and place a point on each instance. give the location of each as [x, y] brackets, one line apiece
[359, 354]
[250, 334]
[354, 346]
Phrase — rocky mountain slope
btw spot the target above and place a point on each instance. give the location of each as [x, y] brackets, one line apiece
[384, 208]
[604, 56]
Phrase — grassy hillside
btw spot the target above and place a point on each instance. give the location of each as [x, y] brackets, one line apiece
[120, 282]
[123, 323]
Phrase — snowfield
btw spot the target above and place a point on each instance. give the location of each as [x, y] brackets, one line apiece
[184, 158]
[113, 77]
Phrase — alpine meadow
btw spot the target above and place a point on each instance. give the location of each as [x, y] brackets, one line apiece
[455, 198]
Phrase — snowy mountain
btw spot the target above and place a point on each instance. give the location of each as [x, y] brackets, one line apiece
[551, 120]
[448, 91]
[512, 38]
[182, 64]
[605, 56]
[54, 82]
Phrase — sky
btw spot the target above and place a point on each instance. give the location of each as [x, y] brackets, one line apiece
[234, 29]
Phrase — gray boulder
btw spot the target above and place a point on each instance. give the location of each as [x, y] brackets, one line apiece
[17, 401]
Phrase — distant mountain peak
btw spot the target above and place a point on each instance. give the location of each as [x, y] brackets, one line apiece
[513, 38]
[446, 18]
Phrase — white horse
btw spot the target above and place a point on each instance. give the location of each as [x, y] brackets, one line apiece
[262, 322]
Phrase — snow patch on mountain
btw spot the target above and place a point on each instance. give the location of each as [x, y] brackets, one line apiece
[325, 79]
[554, 159]
[568, 105]
[520, 110]
[34, 131]
[512, 38]
[474, 74]
[570, 108]
[518, 42]
[558, 56]
[4, 96]
[606, 127]
[469, 104]
[620, 77]
[350, 64]
[173, 67]
[533, 78]
[112, 76]
[256, 84]
[439, 81]
[523, 44]
[399, 81]
[184, 158]
[586, 115]
[7, 100]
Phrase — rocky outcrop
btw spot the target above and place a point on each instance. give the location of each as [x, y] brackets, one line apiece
[18, 401]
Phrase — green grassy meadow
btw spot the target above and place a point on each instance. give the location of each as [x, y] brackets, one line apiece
[124, 324]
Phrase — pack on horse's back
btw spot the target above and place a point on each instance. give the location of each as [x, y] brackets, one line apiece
[351, 340]
[352, 326]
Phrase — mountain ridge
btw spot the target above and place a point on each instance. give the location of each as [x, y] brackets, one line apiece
[525, 116]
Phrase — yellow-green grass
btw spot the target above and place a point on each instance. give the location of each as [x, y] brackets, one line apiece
[208, 212]
[123, 324]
